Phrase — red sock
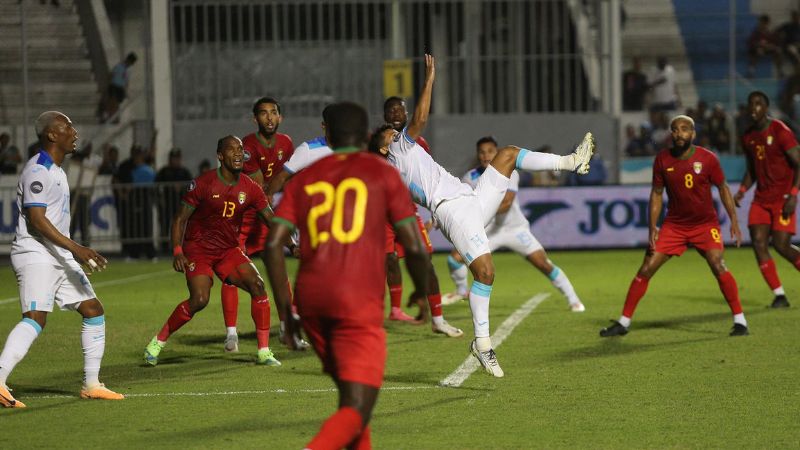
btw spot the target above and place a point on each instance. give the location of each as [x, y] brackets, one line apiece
[797, 263]
[338, 431]
[396, 295]
[259, 310]
[727, 284]
[770, 274]
[176, 320]
[362, 442]
[635, 293]
[435, 303]
[230, 304]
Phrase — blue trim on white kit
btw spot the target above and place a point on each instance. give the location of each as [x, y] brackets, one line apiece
[28, 205]
[554, 273]
[99, 320]
[453, 263]
[521, 156]
[484, 290]
[34, 324]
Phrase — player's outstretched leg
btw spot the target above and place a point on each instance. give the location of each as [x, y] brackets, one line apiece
[230, 313]
[481, 347]
[17, 345]
[93, 342]
[557, 277]
[577, 161]
[458, 273]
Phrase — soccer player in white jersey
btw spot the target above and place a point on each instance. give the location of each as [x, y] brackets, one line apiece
[510, 229]
[46, 261]
[461, 211]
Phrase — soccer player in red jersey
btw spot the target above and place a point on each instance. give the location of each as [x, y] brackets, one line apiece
[205, 235]
[773, 164]
[265, 152]
[687, 171]
[340, 205]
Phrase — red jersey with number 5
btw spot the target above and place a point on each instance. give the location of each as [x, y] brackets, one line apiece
[269, 160]
[219, 207]
[688, 182]
[341, 205]
[766, 150]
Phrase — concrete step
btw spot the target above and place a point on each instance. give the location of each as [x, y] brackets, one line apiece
[10, 89]
[78, 114]
[40, 54]
[11, 76]
[52, 65]
[54, 43]
[34, 20]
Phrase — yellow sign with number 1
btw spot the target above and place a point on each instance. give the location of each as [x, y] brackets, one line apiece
[397, 78]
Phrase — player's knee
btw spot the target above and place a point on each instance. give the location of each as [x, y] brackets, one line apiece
[484, 273]
[256, 287]
[197, 302]
[506, 157]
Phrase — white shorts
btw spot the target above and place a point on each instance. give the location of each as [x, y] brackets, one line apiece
[518, 239]
[41, 285]
[491, 189]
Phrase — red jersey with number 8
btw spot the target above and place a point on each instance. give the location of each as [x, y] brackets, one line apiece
[767, 152]
[219, 207]
[340, 206]
[688, 182]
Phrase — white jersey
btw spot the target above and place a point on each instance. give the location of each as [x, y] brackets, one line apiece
[510, 219]
[42, 183]
[429, 183]
[306, 154]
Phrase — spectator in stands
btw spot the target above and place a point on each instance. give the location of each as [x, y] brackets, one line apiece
[81, 174]
[789, 35]
[718, 131]
[763, 42]
[205, 166]
[743, 122]
[117, 88]
[660, 134]
[641, 144]
[110, 158]
[172, 179]
[665, 91]
[9, 155]
[634, 87]
[142, 176]
[596, 176]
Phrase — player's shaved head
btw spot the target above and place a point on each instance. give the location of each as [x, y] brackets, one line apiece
[224, 141]
[758, 94]
[347, 125]
[46, 121]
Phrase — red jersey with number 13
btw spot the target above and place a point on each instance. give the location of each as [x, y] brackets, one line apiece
[688, 182]
[767, 152]
[218, 210]
[269, 160]
[341, 204]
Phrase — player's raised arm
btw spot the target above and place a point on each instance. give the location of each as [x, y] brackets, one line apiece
[275, 262]
[423, 107]
[180, 262]
[730, 207]
[656, 204]
[793, 155]
[38, 220]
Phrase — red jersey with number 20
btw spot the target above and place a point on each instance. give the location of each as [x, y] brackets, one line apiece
[767, 152]
[688, 183]
[341, 204]
[269, 160]
[218, 209]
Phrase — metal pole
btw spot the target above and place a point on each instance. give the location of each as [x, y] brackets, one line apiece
[24, 51]
[732, 74]
[616, 60]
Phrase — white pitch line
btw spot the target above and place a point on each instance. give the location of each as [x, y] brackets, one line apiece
[126, 280]
[230, 393]
[471, 364]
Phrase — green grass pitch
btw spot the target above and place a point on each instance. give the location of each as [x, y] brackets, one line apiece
[676, 380]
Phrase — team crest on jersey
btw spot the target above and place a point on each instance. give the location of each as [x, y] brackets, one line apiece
[246, 155]
[769, 140]
[280, 155]
[242, 198]
[697, 166]
[192, 185]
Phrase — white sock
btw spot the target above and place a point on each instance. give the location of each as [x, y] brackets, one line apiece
[93, 341]
[625, 321]
[458, 273]
[779, 291]
[438, 320]
[739, 318]
[538, 161]
[232, 331]
[561, 282]
[479, 304]
[17, 345]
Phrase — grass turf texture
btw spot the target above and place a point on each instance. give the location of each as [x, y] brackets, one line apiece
[677, 380]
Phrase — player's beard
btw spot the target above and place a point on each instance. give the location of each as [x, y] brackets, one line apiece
[679, 149]
[267, 134]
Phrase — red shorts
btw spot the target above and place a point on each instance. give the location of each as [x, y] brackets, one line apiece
[350, 349]
[770, 214]
[222, 264]
[393, 246]
[673, 239]
[252, 234]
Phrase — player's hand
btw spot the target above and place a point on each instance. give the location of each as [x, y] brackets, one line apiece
[89, 258]
[291, 336]
[180, 263]
[430, 67]
[653, 237]
[736, 233]
[789, 206]
[737, 199]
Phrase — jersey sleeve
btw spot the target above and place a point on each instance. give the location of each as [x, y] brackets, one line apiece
[398, 201]
[251, 158]
[192, 195]
[786, 138]
[287, 208]
[35, 187]
[299, 159]
[513, 185]
[658, 176]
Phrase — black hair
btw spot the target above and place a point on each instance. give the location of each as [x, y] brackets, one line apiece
[131, 57]
[347, 125]
[265, 100]
[326, 113]
[374, 145]
[222, 140]
[391, 100]
[484, 140]
[760, 94]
